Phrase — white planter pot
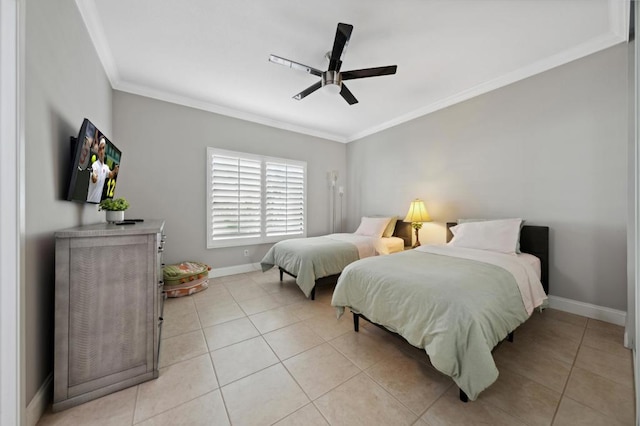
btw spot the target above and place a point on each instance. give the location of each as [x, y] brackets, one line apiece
[115, 216]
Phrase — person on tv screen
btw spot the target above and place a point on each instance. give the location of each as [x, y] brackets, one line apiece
[99, 173]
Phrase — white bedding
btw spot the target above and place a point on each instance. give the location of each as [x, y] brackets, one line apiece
[388, 245]
[371, 246]
[519, 266]
[533, 261]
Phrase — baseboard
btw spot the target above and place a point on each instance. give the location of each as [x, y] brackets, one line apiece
[232, 270]
[627, 343]
[38, 404]
[588, 310]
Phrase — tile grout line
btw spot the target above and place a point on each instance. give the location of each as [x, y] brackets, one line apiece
[320, 411]
[135, 405]
[575, 358]
[224, 402]
[298, 353]
[213, 366]
[177, 406]
[192, 356]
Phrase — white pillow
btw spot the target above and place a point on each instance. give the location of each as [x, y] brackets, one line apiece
[372, 226]
[495, 235]
[484, 220]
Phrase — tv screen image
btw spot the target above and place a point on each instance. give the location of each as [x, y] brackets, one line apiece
[95, 166]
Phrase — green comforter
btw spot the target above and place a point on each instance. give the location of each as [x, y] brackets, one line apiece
[456, 309]
[310, 258]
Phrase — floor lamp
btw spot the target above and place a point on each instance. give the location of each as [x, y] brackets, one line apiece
[417, 214]
[333, 179]
[341, 193]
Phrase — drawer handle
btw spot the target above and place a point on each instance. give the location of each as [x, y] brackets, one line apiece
[160, 321]
[160, 283]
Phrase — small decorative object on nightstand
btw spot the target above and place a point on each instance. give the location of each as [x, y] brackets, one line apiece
[417, 214]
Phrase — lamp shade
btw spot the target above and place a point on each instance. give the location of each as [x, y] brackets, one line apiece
[417, 212]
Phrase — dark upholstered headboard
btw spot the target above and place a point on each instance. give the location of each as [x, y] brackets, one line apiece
[533, 240]
[403, 230]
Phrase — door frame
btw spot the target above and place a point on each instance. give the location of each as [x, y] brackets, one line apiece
[12, 214]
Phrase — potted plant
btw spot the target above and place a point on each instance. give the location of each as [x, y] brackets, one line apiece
[115, 208]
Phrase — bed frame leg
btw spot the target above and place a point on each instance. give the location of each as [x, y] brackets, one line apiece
[463, 396]
[510, 337]
[313, 293]
[356, 322]
[280, 273]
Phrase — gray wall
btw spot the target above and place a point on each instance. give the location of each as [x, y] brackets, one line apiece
[551, 149]
[65, 82]
[163, 172]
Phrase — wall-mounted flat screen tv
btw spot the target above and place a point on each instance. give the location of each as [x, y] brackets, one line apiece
[95, 166]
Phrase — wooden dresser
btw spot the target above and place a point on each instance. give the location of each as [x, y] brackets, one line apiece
[108, 309]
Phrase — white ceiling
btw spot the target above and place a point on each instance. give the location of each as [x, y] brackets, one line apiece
[213, 54]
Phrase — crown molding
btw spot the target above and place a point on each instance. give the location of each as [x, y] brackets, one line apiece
[619, 14]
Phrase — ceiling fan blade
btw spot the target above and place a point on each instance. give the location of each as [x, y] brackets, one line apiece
[308, 91]
[295, 65]
[347, 95]
[369, 72]
[343, 34]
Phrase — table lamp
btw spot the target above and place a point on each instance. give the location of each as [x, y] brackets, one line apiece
[416, 215]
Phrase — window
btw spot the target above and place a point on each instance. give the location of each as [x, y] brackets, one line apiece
[253, 199]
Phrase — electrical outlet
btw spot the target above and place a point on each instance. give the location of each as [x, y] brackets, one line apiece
[246, 253]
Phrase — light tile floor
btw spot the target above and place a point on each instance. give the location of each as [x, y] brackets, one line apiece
[250, 350]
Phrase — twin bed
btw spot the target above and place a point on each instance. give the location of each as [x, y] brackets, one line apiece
[455, 302]
[318, 260]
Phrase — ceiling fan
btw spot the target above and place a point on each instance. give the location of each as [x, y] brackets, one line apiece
[333, 78]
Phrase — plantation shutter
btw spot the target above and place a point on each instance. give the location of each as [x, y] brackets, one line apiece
[284, 199]
[236, 197]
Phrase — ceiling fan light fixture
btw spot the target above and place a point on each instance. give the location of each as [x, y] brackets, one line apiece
[332, 89]
[331, 82]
